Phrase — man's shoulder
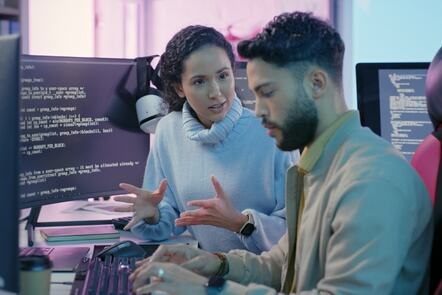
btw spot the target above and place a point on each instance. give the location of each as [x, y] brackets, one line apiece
[371, 159]
[368, 152]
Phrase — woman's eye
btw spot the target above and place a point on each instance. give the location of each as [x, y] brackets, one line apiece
[198, 82]
[268, 93]
[223, 75]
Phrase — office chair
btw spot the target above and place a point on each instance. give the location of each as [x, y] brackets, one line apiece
[427, 161]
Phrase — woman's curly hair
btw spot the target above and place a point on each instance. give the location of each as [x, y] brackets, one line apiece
[178, 49]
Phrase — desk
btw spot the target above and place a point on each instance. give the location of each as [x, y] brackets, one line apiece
[64, 212]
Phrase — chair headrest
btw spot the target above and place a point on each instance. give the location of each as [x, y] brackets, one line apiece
[433, 89]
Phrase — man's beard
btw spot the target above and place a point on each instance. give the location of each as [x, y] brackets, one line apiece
[299, 126]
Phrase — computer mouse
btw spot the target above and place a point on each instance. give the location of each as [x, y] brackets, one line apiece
[123, 249]
[121, 222]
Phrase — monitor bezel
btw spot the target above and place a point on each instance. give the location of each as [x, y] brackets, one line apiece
[9, 138]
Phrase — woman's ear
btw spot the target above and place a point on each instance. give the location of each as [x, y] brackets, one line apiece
[179, 90]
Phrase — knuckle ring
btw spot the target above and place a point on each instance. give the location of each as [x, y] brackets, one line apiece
[160, 273]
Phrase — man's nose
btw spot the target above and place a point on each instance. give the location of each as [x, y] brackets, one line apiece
[260, 108]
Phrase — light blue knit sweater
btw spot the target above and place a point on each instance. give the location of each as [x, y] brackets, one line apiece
[247, 163]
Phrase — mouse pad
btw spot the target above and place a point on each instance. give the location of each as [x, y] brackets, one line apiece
[150, 248]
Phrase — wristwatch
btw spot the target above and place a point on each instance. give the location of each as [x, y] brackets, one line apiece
[214, 285]
[248, 227]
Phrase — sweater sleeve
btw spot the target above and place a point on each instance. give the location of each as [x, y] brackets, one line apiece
[153, 175]
[271, 227]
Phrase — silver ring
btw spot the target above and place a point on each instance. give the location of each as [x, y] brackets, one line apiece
[160, 273]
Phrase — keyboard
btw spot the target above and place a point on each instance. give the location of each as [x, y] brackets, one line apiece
[108, 275]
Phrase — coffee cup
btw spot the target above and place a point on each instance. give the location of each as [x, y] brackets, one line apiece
[35, 275]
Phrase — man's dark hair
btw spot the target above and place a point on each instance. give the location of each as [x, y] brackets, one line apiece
[178, 49]
[297, 37]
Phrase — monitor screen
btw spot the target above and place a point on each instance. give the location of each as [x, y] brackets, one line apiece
[391, 101]
[9, 113]
[241, 86]
[76, 129]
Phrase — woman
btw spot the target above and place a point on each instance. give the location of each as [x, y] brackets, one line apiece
[212, 169]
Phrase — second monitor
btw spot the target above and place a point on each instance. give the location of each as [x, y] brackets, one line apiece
[391, 101]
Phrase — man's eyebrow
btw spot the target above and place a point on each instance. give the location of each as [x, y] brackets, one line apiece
[259, 87]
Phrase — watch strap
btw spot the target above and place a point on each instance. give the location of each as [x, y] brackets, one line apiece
[214, 285]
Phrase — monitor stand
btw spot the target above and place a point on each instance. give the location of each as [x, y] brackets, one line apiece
[32, 223]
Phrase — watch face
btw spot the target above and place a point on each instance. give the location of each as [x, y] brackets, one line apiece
[248, 229]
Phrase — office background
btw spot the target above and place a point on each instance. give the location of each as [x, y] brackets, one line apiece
[373, 30]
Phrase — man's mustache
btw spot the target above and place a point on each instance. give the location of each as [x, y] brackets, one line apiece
[269, 124]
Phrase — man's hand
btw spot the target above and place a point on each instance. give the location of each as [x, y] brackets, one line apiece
[169, 278]
[217, 211]
[191, 258]
[143, 203]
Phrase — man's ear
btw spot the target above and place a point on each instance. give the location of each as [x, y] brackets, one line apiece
[316, 82]
[179, 90]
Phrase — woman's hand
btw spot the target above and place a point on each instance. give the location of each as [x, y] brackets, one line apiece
[217, 211]
[143, 202]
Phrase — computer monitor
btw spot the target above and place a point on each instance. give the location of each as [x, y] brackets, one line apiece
[391, 100]
[79, 130]
[9, 113]
[242, 88]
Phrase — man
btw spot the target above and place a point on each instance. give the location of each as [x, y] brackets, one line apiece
[358, 216]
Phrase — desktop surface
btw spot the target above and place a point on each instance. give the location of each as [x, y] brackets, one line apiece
[61, 282]
[64, 259]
